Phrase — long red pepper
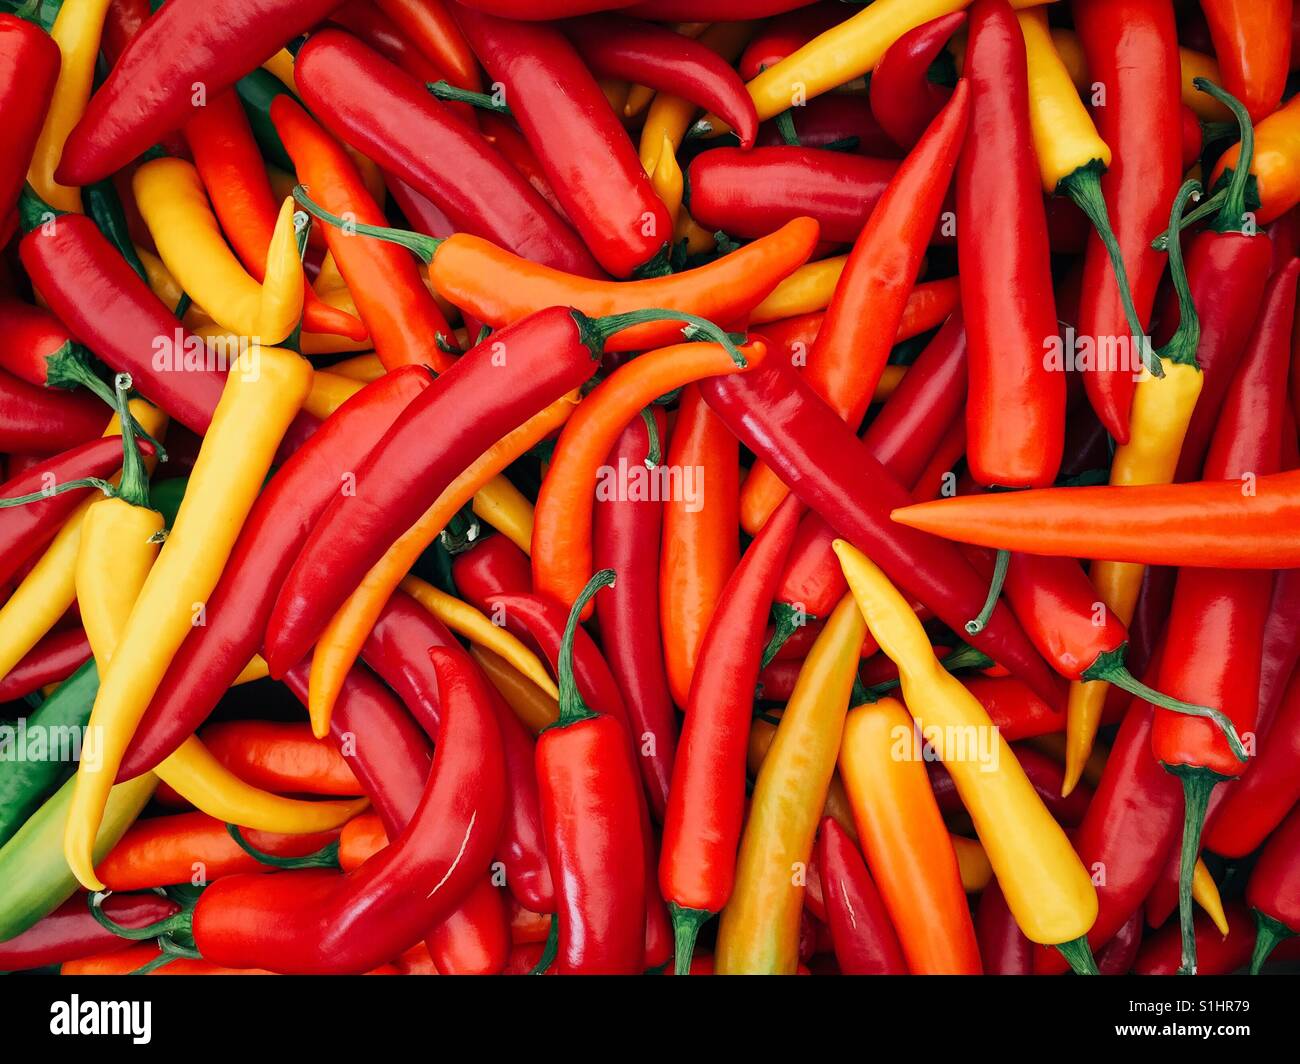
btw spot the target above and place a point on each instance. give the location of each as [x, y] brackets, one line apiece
[150, 91]
[492, 566]
[387, 115]
[1015, 413]
[28, 73]
[625, 538]
[1274, 889]
[752, 193]
[903, 98]
[36, 420]
[71, 932]
[1252, 41]
[864, 939]
[588, 158]
[707, 799]
[590, 800]
[1132, 50]
[320, 922]
[237, 612]
[429, 25]
[54, 658]
[782, 420]
[368, 23]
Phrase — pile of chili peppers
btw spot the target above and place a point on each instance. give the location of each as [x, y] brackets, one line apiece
[674, 487]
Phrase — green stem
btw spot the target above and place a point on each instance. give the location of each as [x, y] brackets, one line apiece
[654, 454]
[995, 589]
[59, 489]
[964, 657]
[1268, 933]
[1232, 213]
[551, 948]
[785, 127]
[572, 707]
[1197, 784]
[444, 90]
[686, 929]
[178, 921]
[326, 857]
[595, 332]
[133, 488]
[1181, 347]
[170, 952]
[301, 231]
[1084, 187]
[787, 620]
[1079, 956]
[34, 211]
[424, 247]
[69, 367]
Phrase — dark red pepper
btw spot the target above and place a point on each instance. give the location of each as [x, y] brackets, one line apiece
[492, 566]
[1004, 950]
[1216, 954]
[1274, 889]
[904, 98]
[38, 420]
[865, 941]
[54, 658]
[786, 33]
[71, 932]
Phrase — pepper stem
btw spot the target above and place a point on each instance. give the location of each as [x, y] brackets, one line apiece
[134, 485]
[785, 127]
[69, 367]
[178, 921]
[572, 707]
[1078, 954]
[1198, 782]
[446, 91]
[1232, 213]
[59, 489]
[326, 857]
[654, 454]
[1268, 933]
[424, 247]
[33, 211]
[170, 951]
[1084, 187]
[595, 332]
[787, 620]
[686, 928]
[551, 948]
[1000, 567]
[1181, 347]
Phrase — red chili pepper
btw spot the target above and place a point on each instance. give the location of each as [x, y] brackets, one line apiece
[904, 99]
[1274, 889]
[71, 932]
[1252, 40]
[1017, 710]
[587, 155]
[711, 10]
[625, 538]
[150, 91]
[123, 20]
[1281, 638]
[1132, 49]
[37, 420]
[1044, 773]
[590, 807]
[388, 116]
[1015, 415]
[753, 193]
[238, 610]
[782, 420]
[54, 658]
[545, 10]
[1118, 956]
[1004, 950]
[25, 529]
[368, 24]
[865, 942]
[837, 120]
[787, 33]
[429, 25]
[321, 922]
[1217, 954]
[423, 215]
[35, 347]
[282, 757]
[706, 801]
[492, 566]
[29, 68]
[657, 57]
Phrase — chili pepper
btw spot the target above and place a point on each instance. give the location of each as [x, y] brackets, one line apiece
[903, 97]
[1275, 165]
[1043, 772]
[702, 824]
[492, 566]
[239, 607]
[759, 930]
[1220, 954]
[588, 158]
[34, 420]
[319, 922]
[499, 289]
[626, 530]
[865, 941]
[753, 193]
[1004, 950]
[777, 415]
[430, 26]
[279, 757]
[666, 61]
[364, 99]
[904, 840]
[148, 91]
[341, 639]
[53, 659]
[31, 70]
[786, 33]
[533, 706]
[502, 135]
[1015, 415]
[249, 423]
[712, 10]
[1029, 852]
[1251, 42]
[70, 932]
[1274, 890]
[368, 23]
[837, 121]
[1014, 707]
[590, 801]
[849, 355]
[1281, 638]
[507, 509]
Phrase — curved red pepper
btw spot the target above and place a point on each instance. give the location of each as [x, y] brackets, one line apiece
[753, 193]
[29, 68]
[903, 98]
[1274, 889]
[1017, 711]
[54, 658]
[1015, 414]
[1004, 950]
[657, 57]
[782, 420]
[492, 566]
[1132, 49]
[864, 939]
[1252, 40]
[387, 115]
[150, 91]
[589, 160]
[320, 922]
[625, 538]
[70, 932]
[239, 608]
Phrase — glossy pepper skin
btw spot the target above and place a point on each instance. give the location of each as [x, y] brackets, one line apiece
[1252, 41]
[903, 98]
[36, 420]
[493, 566]
[320, 922]
[588, 158]
[70, 932]
[388, 115]
[31, 68]
[1015, 412]
[148, 92]
[1274, 889]
[864, 939]
[52, 660]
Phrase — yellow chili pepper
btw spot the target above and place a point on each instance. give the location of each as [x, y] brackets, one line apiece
[972, 864]
[283, 284]
[261, 396]
[329, 391]
[328, 276]
[669, 183]
[759, 930]
[529, 702]
[1047, 888]
[164, 286]
[808, 289]
[76, 31]
[506, 509]
[360, 368]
